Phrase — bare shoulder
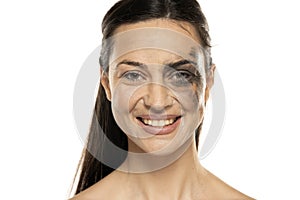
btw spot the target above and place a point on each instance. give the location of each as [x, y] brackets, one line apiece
[222, 190]
[101, 190]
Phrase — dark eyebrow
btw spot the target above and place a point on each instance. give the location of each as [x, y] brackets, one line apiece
[180, 63]
[132, 63]
[171, 64]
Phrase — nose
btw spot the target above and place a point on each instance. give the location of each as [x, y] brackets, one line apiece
[158, 97]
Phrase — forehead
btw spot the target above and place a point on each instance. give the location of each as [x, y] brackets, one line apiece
[149, 56]
[155, 41]
[182, 27]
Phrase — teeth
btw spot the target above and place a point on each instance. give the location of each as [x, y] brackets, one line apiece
[158, 122]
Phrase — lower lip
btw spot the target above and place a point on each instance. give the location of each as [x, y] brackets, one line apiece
[154, 130]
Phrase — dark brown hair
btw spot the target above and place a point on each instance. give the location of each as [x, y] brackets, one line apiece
[91, 169]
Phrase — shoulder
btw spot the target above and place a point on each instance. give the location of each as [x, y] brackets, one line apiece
[222, 190]
[107, 188]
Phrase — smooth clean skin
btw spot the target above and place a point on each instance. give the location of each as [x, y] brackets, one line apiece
[184, 179]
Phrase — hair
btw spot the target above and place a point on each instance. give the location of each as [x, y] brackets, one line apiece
[90, 169]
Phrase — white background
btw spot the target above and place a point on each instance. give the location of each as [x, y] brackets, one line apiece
[44, 43]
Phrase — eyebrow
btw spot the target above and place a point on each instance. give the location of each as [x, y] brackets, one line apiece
[144, 66]
[180, 63]
[132, 63]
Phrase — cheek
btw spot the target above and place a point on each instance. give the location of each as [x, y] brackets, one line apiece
[120, 103]
[192, 103]
[124, 97]
[191, 100]
[130, 97]
[120, 100]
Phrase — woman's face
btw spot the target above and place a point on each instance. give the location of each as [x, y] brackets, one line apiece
[156, 84]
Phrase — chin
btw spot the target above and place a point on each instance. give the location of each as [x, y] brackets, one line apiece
[149, 145]
[158, 146]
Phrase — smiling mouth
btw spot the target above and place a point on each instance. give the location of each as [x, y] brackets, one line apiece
[158, 122]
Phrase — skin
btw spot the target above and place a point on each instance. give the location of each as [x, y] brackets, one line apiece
[185, 178]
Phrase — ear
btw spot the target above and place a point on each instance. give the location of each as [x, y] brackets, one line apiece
[209, 81]
[105, 83]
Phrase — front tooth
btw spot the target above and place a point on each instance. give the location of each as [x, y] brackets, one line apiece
[154, 123]
[161, 122]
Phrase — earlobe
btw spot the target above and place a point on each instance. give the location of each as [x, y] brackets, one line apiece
[105, 84]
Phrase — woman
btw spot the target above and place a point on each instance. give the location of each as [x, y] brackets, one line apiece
[156, 73]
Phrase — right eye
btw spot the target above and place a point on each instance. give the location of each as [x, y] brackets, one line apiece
[133, 76]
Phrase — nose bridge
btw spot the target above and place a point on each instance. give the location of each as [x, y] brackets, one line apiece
[158, 96]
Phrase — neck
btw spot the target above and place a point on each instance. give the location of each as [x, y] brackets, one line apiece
[179, 179]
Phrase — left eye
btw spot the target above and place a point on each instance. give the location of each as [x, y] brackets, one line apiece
[181, 76]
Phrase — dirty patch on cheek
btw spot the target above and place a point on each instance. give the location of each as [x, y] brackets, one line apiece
[189, 99]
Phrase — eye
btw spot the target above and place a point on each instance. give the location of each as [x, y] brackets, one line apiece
[181, 77]
[133, 76]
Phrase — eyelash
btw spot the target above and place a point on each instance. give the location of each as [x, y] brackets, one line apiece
[177, 77]
[182, 73]
[181, 77]
[128, 76]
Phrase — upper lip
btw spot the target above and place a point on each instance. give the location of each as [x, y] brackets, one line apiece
[158, 117]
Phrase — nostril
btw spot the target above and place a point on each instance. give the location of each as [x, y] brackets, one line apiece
[158, 104]
[158, 96]
[157, 109]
